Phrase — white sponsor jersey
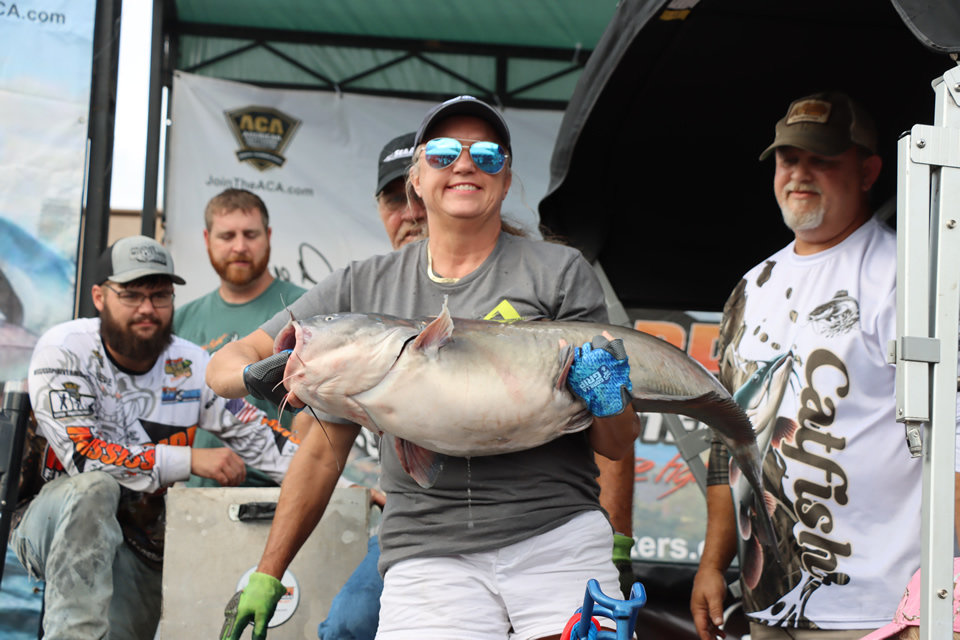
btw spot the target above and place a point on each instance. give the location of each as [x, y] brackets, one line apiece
[138, 427]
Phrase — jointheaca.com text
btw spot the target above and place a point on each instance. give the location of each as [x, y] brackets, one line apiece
[270, 186]
[22, 11]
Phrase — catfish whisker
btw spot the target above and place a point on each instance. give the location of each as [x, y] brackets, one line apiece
[282, 380]
[327, 436]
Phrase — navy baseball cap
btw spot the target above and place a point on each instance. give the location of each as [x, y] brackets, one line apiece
[465, 106]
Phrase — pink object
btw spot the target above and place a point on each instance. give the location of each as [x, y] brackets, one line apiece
[908, 613]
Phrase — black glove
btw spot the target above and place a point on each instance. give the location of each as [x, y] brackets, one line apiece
[263, 379]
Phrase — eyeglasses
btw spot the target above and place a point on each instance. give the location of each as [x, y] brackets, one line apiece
[159, 300]
[393, 201]
[489, 157]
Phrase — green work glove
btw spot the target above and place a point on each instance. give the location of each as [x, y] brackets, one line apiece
[254, 603]
[621, 559]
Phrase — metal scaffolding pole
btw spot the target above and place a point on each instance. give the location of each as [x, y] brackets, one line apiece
[928, 314]
[148, 220]
[103, 106]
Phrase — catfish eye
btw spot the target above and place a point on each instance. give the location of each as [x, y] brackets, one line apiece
[328, 319]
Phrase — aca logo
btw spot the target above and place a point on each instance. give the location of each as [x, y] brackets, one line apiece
[263, 134]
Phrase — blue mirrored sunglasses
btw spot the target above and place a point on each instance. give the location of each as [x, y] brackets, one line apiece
[489, 157]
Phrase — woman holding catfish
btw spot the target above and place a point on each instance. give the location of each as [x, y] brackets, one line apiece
[499, 546]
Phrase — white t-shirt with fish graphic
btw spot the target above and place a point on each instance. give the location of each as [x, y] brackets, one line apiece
[809, 333]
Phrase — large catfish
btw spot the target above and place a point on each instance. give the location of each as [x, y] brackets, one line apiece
[473, 388]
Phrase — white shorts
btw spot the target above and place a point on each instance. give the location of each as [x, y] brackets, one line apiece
[524, 591]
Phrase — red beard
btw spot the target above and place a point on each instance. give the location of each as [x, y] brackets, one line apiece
[240, 276]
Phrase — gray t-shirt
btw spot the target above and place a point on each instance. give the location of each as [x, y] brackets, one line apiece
[488, 502]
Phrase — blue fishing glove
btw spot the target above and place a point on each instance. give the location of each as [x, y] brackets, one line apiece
[255, 603]
[355, 610]
[600, 374]
[263, 379]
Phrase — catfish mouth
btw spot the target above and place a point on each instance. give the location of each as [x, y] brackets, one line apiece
[287, 338]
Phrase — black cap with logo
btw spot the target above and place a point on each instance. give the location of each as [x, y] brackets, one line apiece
[394, 160]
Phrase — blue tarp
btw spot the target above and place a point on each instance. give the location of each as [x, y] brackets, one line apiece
[21, 600]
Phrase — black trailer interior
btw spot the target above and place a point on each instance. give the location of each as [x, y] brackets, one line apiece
[655, 171]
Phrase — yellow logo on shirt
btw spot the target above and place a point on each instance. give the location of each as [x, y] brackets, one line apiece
[503, 312]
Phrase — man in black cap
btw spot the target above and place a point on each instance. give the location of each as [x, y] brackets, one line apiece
[404, 221]
[118, 399]
[803, 343]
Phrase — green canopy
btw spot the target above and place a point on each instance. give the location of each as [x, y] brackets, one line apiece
[512, 52]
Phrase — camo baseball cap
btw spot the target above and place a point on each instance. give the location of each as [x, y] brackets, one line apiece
[135, 257]
[824, 123]
[394, 160]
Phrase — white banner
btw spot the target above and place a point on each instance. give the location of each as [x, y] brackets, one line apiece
[312, 158]
[46, 55]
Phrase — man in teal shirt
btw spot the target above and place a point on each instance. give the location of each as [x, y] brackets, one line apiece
[237, 236]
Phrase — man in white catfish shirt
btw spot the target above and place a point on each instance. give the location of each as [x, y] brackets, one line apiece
[813, 321]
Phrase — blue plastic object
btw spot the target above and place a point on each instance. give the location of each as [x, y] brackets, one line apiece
[596, 603]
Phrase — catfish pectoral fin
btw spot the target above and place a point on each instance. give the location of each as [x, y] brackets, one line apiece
[436, 334]
[567, 353]
[422, 464]
[578, 422]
